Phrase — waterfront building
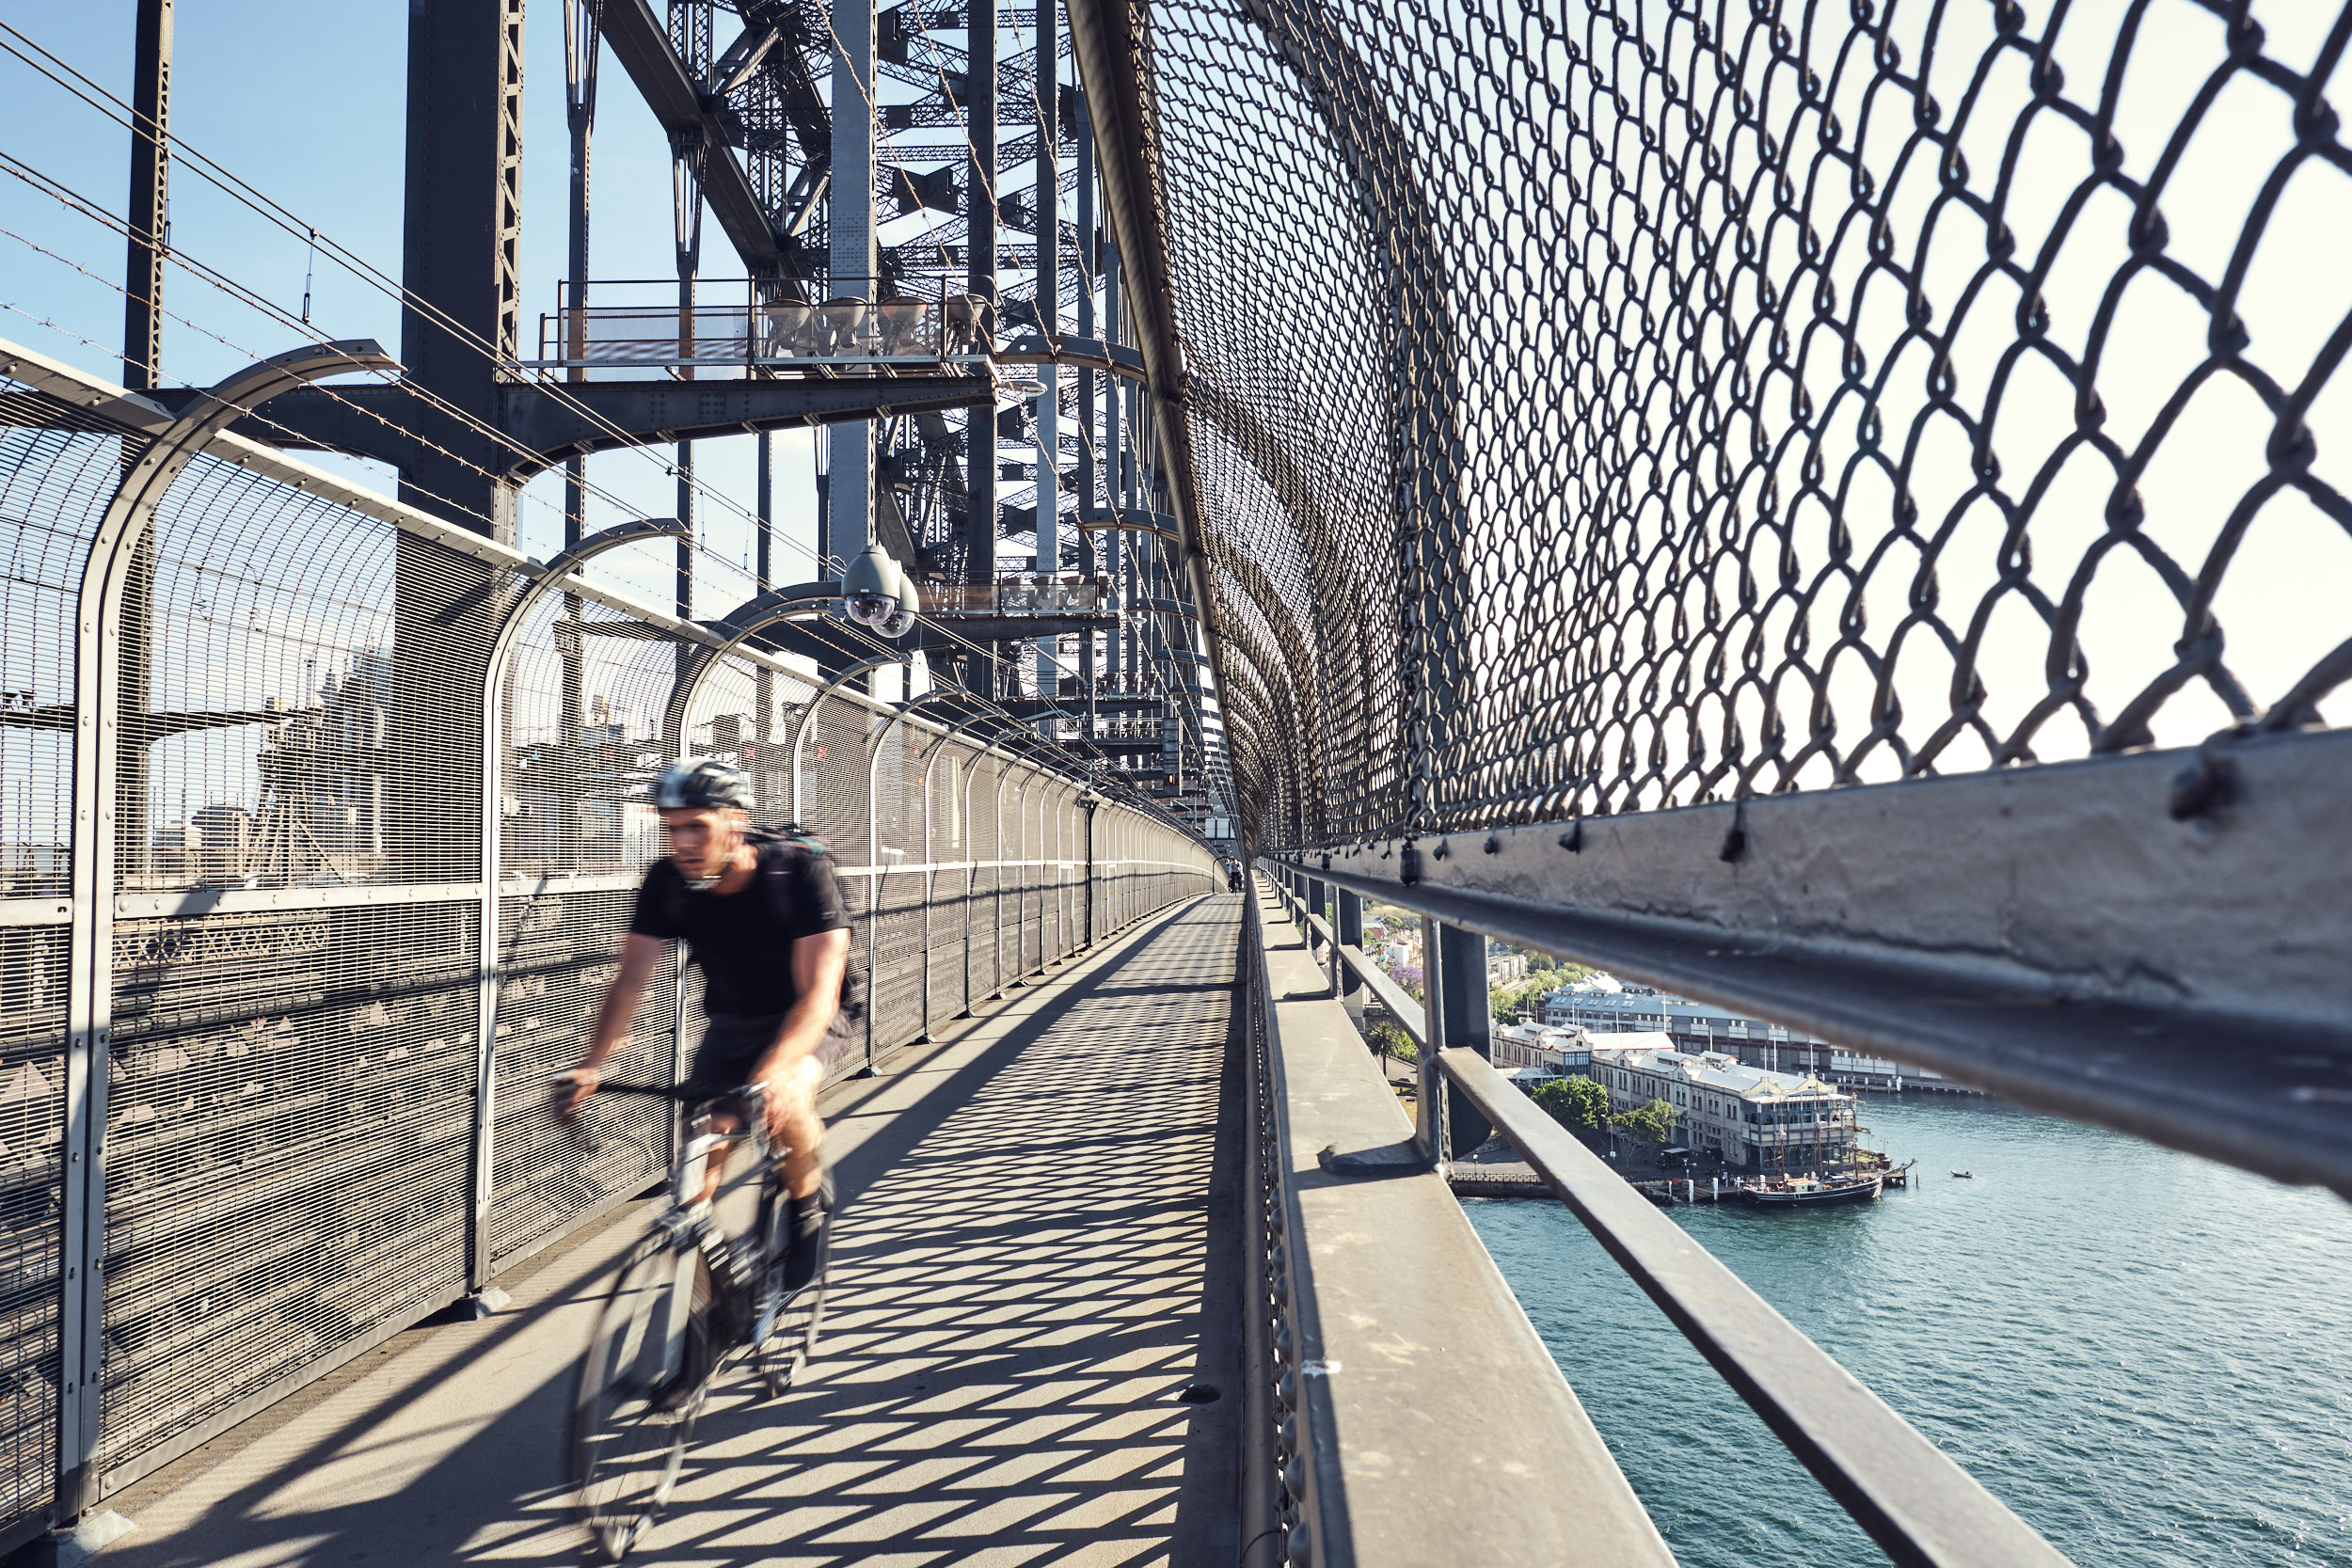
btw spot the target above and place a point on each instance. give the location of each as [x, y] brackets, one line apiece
[1702, 1027]
[1753, 1117]
[1546, 1052]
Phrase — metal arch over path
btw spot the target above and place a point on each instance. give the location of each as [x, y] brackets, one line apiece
[558, 572]
[101, 652]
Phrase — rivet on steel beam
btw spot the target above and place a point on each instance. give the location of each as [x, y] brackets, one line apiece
[2200, 786]
[1494, 843]
[1573, 840]
[1736, 839]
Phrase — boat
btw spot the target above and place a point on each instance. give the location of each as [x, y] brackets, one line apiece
[1965, 1174]
[1810, 1192]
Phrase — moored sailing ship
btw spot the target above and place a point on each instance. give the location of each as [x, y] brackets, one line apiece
[1778, 1191]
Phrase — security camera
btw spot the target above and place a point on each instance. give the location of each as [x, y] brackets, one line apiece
[876, 594]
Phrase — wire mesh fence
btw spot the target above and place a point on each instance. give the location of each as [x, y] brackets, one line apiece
[1602, 408]
[298, 1028]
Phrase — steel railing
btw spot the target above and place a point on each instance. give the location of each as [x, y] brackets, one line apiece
[1919, 1506]
[330, 815]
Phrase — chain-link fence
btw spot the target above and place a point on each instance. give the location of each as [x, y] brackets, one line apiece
[1601, 409]
[249, 1125]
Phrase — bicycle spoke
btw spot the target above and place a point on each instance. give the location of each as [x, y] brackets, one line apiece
[629, 1424]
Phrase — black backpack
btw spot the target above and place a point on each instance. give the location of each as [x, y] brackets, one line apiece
[791, 835]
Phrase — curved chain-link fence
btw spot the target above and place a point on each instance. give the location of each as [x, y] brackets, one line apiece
[1605, 408]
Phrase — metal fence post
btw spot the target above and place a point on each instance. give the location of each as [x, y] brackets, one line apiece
[1348, 925]
[996, 891]
[971, 875]
[1463, 1020]
[929, 885]
[1090, 805]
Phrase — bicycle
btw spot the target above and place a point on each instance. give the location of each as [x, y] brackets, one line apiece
[685, 1302]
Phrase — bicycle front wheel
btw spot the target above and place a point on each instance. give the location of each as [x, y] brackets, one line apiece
[785, 1330]
[639, 1392]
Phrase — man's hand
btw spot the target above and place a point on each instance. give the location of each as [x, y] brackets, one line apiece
[572, 1089]
[777, 1113]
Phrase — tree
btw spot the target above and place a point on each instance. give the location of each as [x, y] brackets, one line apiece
[1652, 1123]
[1578, 1105]
[1408, 977]
[1508, 1004]
[1388, 1039]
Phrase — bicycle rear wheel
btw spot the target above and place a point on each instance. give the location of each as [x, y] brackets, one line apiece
[790, 1322]
[639, 1392]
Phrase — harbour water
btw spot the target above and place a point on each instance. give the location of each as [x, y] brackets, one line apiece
[2146, 1356]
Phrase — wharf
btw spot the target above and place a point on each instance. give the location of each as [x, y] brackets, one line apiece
[1515, 1178]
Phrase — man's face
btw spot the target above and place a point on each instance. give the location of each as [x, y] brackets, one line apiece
[703, 840]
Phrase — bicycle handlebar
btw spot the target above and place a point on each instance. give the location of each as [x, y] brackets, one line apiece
[680, 1091]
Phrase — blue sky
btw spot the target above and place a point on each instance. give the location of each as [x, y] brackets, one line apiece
[307, 103]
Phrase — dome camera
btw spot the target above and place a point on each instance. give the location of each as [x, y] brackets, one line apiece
[876, 594]
[903, 610]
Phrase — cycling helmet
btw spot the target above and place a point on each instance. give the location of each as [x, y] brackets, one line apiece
[701, 786]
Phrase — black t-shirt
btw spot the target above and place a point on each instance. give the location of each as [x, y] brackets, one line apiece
[744, 941]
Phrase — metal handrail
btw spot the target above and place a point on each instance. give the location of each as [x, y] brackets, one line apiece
[1909, 1496]
[1919, 1506]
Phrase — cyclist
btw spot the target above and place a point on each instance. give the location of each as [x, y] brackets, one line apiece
[762, 916]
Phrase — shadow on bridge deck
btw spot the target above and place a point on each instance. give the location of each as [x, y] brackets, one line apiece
[1035, 1262]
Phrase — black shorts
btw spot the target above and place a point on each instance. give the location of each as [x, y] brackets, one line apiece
[732, 1046]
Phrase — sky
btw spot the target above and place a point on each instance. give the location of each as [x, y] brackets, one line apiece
[307, 103]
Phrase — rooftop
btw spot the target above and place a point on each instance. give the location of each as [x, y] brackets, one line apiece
[1655, 1052]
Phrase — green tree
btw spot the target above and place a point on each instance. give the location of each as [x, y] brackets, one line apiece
[1652, 1123]
[1388, 1039]
[1578, 1105]
[1506, 1004]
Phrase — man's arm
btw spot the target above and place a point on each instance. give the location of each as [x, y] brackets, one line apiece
[639, 953]
[818, 964]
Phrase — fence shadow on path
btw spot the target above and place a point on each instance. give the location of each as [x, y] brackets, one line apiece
[1029, 1276]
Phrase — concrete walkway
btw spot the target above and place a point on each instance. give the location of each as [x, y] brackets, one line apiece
[1029, 1355]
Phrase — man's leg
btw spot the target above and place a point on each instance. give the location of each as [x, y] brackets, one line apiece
[723, 1125]
[804, 1166]
[795, 1093]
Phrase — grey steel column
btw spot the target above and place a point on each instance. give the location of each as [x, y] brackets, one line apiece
[1463, 1019]
[1350, 927]
[979, 424]
[1091, 805]
[764, 683]
[685, 179]
[461, 263]
[142, 360]
[582, 37]
[1048, 223]
[1314, 908]
[1088, 264]
[849, 489]
[151, 190]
